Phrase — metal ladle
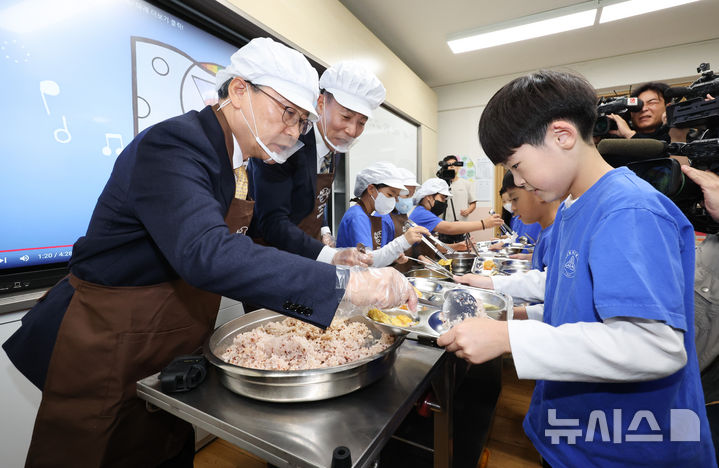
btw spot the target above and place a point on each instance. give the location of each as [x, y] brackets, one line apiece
[458, 305]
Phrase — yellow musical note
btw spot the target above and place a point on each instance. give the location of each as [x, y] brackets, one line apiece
[106, 149]
[64, 130]
[48, 88]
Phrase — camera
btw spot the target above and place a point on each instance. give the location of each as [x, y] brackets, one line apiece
[650, 160]
[615, 105]
[695, 111]
[445, 173]
[665, 175]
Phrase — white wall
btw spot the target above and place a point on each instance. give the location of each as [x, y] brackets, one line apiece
[461, 105]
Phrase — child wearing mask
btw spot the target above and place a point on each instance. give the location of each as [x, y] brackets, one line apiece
[377, 189]
[431, 201]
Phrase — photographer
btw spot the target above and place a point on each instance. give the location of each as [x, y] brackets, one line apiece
[463, 200]
[706, 300]
[648, 122]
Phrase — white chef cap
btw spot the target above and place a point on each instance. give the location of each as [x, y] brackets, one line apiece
[431, 187]
[378, 173]
[268, 63]
[408, 177]
[354, 87]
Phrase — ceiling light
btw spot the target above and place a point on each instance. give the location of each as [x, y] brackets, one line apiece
[528, 27]
[622, 10]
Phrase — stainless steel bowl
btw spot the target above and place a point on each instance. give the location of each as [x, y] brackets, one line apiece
[425, 273]
[294, 386]
[432, 290]
[461, 262]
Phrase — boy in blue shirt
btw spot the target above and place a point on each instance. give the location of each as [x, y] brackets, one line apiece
[614, 358]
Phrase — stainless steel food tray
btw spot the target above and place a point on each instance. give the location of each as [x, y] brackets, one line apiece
[294, 386]
[497, 306]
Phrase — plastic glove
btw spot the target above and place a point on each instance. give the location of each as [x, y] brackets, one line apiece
[328, 240]
[383, 288]
[352, 257]
[415, 233]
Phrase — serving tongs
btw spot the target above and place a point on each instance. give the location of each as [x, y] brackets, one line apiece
[434, 266]
[506, 230]
[470, 244]
[447, 248]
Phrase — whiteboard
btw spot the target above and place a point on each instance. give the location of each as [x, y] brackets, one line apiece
[386, 137]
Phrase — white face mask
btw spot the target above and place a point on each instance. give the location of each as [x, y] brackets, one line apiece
[404, 205]
[280, 157]
[508, 206]
[383, 204]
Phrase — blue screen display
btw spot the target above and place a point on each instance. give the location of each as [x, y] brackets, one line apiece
[79, 80]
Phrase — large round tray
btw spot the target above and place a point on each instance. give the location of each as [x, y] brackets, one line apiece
[294, 386]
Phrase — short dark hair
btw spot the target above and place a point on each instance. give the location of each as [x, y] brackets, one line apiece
[224, 90]
[450, 157]
[521, 111]
[656, 86]
[507, 183]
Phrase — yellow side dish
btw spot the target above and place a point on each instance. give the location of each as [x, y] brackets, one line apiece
[489, 265]
[400, 320]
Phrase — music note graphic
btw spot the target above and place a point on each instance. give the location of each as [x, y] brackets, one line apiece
[110, 136]
[48, 88]
[60, 131]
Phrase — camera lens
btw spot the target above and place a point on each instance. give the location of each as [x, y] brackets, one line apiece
[603, 125]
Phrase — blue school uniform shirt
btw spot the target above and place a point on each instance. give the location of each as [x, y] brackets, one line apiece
[622, 249]
[355, 227]
[423, 217]
[531, 230]
[541, 251]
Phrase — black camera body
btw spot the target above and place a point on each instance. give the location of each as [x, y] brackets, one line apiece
[445, 173]
[665, 175]
[614, 105]
[695, 111]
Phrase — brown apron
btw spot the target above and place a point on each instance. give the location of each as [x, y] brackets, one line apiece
[110, 338]
[399, 221]
[312, 223]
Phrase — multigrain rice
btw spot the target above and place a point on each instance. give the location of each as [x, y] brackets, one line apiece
[294, 345]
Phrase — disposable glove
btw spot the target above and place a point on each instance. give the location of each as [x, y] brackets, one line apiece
[351, 257]
[383, 288]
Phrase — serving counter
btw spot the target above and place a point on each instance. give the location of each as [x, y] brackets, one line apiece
[306, 434]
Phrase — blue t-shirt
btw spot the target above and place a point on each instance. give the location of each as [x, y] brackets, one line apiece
[355, 227]
[423, 217]
[541, 251]
[622, 250]
[530, 230]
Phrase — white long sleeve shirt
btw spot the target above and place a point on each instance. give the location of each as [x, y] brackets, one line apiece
[620, 349]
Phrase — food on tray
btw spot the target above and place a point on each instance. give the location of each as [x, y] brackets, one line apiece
[489, 265]
[294, 345]
[399, 320]
[445, 262]
[419, 293]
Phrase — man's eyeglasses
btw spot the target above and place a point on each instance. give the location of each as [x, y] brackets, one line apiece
[290, 116]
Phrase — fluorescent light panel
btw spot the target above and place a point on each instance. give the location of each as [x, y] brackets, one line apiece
[542, 24]
[623, 10]
[569, 18]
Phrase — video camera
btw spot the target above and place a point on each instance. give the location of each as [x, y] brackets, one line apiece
[695, 111]
[650, 160]
[614, 105]
[445, 173]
